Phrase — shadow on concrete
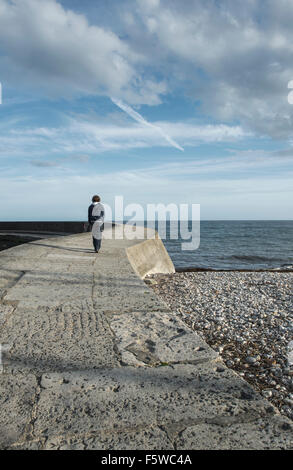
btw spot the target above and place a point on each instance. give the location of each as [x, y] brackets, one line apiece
[105, 282]
[76, 250]
[163, 378]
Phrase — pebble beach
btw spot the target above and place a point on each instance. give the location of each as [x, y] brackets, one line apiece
[247, 317]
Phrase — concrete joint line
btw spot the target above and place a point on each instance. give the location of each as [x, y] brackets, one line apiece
[115, 340]
[4, 293]
[92, 434]
[169, 436]
[29, 428]
[14, 305]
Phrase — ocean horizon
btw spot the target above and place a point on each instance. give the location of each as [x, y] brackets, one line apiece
[236, 244]
[227, 244]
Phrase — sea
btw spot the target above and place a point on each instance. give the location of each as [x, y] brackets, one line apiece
[235, 245]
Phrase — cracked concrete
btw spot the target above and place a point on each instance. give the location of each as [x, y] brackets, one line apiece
[93, 360]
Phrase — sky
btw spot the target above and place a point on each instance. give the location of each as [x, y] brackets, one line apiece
[158, 101]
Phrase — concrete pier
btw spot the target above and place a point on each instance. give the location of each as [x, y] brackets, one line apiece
[91, 359]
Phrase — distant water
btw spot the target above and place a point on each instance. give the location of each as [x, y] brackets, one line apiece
[237, 245]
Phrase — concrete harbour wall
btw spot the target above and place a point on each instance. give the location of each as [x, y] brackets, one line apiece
[92, 359]
[66, 227]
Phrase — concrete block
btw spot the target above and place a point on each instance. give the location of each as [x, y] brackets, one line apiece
[271, 433]
[17, 399]
[70, 337]
[157, 337]
[150, 257]
[119, 399]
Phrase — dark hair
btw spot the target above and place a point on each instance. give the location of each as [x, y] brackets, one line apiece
[96, 198]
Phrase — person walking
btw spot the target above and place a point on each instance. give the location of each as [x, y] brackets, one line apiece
[96, 213]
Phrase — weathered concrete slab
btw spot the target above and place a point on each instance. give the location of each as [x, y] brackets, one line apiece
[150, 257]
[71, 257]
[269, 433]
[122, 399]
[17, 400]
[72, 336]
[36, 289]
[135, 439]
[123, 291]
[157, 337]
[126, 298]
[11, 264]
[5, 311]
[126, 397]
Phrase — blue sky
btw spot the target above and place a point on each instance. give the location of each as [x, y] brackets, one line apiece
[159, 101]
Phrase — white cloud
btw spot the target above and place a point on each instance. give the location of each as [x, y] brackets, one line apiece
[137, 117]
[234, 57]
[220, 197]
[86, 137]
[56, 50]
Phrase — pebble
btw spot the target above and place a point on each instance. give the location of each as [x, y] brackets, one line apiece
[246, 317]
[251, 360]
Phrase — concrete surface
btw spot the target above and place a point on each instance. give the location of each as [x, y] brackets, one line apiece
[150, 257]
[91, 359]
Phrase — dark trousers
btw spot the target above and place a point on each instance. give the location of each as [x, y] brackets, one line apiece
[97, 244]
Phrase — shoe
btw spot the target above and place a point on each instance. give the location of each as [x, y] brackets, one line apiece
[97, 251]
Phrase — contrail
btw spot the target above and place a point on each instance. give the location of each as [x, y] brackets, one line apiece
[137, 117]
